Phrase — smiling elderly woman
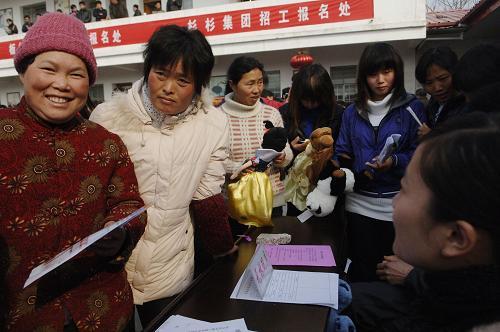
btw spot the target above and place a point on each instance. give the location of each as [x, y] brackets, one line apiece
[61, 179]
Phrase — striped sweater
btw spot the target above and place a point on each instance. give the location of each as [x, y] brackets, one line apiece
[246, 128]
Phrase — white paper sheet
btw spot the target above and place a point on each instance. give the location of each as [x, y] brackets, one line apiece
[414, 116]
[178, 323]
[304, 216]
[266, 154]
[261, 269]
[291, 287]
[75, 249]
[390, 145]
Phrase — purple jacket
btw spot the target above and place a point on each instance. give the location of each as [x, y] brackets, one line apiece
[359, 140]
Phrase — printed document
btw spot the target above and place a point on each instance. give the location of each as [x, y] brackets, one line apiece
[303, 255]
[75, 249]
[286, 286]
[186, 324]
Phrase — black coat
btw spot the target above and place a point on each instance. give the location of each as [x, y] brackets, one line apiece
[100, 14]
[455, 106]
[171, 5]
[118, 10]
[333, 121]
[84, 15]
[446, 301]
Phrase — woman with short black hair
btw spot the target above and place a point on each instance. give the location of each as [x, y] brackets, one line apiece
[246, 114]
[477, 76]
[434, 72]
[446, 220]
[178, 144]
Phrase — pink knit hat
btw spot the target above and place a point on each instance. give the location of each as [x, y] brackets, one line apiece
[58, 32]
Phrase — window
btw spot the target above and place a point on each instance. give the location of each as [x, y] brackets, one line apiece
[4, 15]
[344, 83]
[13, 98]
[96, 93]
[63, 5]
[274, 84]
[121, 87]
[33, 11]
[218, 85]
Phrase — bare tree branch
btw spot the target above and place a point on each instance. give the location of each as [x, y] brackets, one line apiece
[443, 5]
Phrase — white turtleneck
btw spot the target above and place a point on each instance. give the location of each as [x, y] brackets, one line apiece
[373, 207]
[246, 129]
[378, 109]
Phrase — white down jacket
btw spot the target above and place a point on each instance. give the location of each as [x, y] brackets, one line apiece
[176, 164]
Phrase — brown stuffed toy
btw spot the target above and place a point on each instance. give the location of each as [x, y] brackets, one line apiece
[314, 181]
[307, 167]
[321, 153]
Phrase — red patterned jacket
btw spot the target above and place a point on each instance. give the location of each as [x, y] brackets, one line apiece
[57, 186]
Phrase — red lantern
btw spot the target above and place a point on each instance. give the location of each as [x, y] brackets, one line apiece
[300, 59]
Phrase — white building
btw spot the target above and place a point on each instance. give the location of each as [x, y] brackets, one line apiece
[333, 32]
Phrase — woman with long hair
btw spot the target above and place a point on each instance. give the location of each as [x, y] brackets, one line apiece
[382, 109]
[312, 105]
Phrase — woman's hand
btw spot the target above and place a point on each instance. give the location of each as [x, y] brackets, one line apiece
[423, 130]
[381, 167]
[280, 159]
[227, 253]
[393, 270]
[297, 145]
[110, 245]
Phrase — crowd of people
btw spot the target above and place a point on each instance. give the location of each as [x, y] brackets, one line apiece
[422, 222]
[117, 9]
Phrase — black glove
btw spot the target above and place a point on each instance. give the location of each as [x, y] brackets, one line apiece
[362, 179]
[111, 244]
[345, 162]
[337, 186]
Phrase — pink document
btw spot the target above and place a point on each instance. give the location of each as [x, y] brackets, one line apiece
[303, 255]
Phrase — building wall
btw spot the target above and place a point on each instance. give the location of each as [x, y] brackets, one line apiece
[17, 11]
[335, 44]
[207, 3]
[327, 56]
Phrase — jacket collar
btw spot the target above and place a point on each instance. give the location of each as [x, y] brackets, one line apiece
[134, 97]
[236, 109]
[396, 104]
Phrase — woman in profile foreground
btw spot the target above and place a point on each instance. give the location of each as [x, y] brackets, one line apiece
[447, 225]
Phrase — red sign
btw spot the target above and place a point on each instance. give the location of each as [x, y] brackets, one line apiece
[230, 22]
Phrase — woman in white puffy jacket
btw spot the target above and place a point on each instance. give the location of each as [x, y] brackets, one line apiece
[178, 143]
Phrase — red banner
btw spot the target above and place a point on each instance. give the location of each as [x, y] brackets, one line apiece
[230, 22]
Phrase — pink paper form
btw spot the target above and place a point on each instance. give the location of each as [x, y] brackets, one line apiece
[304, 255]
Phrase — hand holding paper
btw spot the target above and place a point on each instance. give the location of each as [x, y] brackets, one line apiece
[78, 247]
[110, 244]
[382, 162]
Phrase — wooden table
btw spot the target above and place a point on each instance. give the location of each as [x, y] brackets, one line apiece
[207, 298]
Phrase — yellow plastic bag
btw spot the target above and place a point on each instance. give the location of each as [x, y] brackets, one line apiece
[251, 200]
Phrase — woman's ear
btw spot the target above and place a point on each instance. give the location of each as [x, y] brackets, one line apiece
[231, 85]
[21, 78]
[461, 239]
